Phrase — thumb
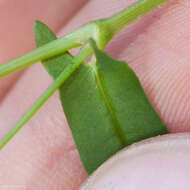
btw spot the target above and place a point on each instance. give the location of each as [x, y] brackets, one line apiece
[157, 163]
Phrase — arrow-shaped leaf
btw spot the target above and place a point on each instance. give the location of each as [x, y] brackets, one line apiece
[105, 105]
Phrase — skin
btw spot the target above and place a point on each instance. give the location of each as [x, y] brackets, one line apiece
[156, 47]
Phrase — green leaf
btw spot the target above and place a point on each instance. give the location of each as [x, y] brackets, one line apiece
[104, 104]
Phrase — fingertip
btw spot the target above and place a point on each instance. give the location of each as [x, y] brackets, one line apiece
[157, 163]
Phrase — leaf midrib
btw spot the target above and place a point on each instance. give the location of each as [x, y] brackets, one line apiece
[109, 106]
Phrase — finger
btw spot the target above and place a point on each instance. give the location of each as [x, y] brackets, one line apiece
[17, 17]
[158, 163]
[48, 127]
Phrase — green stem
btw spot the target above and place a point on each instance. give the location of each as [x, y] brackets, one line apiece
[74, 39]
[48, 92]
[101, 31]
[115, 23]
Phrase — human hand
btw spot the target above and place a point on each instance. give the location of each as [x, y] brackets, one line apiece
[42, 155]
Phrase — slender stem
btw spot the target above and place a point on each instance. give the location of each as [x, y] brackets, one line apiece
[74, 39]
[48, 92]
[118, 21]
